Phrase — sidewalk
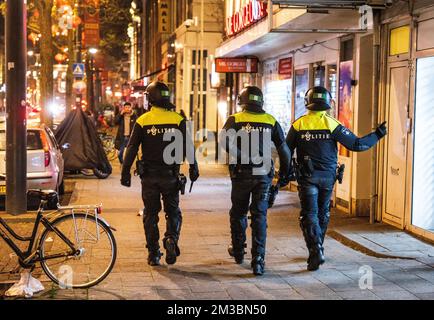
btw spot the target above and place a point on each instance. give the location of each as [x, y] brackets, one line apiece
[205, 271]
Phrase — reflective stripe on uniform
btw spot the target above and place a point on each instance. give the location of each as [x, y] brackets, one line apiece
[252, 117]
[158, 116]
[316, 120]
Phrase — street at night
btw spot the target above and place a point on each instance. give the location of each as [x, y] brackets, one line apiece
[230, 150]
[205, 270]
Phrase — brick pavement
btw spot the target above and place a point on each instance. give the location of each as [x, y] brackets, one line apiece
[204, 270]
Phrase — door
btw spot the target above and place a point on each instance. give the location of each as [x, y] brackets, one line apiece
[396, 144]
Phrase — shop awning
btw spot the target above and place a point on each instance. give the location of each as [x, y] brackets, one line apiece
[330, 3]
[292, 28]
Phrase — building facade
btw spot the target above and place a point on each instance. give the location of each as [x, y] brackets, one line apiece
[180, 39]
[361, 54]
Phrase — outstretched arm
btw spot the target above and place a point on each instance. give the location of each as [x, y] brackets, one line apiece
[350, 141]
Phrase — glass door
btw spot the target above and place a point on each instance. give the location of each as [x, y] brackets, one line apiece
[423, 162]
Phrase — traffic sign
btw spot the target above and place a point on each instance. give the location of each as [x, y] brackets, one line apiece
[78, 70]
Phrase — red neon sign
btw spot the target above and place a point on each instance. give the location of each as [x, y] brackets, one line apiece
[248, 15]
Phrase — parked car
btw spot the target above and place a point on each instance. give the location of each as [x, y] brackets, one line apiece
[44, 161]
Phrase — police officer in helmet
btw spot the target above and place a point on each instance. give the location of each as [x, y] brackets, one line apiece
[314, 136]
[160, 176]
[252, 178]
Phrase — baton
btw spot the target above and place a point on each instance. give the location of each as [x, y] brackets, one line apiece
[191, 186]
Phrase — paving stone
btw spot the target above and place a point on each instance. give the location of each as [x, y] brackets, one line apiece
[205, 271]
[358, 295]
[390, 294]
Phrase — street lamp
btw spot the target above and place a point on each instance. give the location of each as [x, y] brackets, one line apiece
[93, 51]
[92, 103]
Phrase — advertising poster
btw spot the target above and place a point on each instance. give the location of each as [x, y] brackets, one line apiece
[301, 86]
[345, 111]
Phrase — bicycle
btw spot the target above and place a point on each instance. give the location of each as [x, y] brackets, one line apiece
[76, 249]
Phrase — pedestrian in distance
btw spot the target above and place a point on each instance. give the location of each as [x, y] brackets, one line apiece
[125, 120]
[161, 178]
[314, 137]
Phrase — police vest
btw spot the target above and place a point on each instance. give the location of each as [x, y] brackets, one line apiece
[312, 135]
[153, 125]
[260, 126]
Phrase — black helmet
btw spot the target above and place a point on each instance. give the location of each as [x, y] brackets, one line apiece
[251, 98]
[159, 95]
[318, 99]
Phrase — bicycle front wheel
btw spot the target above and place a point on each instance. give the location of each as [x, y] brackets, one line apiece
[92, 259]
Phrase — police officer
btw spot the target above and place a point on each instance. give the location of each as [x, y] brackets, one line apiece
[159, 178]
[315, 136]
[251, 177]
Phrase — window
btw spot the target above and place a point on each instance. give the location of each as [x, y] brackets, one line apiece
[34, 141]
[399, 42]
[332, 85]
[423, 166]
[301, 86]
[319, 76]
[346, 51]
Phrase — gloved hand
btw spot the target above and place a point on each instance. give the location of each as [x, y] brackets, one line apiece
[381, 130]
[194, 172]
[283, 181]
[292, 176]
[126, 179]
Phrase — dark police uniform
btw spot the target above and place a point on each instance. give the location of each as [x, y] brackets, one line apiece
[315, 136]
[246, 182]
[159, 179]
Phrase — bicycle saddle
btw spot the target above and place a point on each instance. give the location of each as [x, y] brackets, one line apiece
[43, 194]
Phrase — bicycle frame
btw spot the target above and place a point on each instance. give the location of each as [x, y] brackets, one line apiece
[28, 256]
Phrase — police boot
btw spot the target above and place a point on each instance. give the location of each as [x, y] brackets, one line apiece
[323, 223]
[172, 250]
[314, 245]
[258, 265]
[237, 254]
[154, 258]
[316, 257]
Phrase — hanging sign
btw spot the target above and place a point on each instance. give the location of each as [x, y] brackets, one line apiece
[91, 23]
[285, 68]
[236, 65]
[245, 17]
[163, 16]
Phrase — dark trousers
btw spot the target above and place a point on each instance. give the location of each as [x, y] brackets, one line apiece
[242, 189]
[124, 144]
[155, 187]
[315, 193]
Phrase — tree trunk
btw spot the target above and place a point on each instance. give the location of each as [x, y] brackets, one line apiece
[69, 101]
[47, 57]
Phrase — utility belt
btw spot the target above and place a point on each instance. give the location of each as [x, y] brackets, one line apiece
[305, 169]
[238, 171]
[146, 170]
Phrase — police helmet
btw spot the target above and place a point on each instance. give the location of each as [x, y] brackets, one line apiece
[318, 99]
[159, 95]
[251, 98]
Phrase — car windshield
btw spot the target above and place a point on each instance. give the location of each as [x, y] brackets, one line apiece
[34, 141]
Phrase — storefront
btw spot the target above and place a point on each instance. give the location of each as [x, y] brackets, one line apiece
[407, 178]
[292, 62]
